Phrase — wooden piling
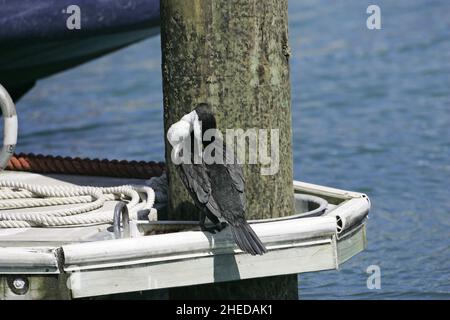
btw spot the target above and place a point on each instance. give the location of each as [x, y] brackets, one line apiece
[235, 56]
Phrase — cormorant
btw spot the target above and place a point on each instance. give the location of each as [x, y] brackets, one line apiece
[218, 189]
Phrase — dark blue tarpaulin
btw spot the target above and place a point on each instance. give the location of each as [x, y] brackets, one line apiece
[35, 40]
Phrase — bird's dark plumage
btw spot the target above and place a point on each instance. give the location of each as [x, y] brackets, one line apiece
[218, 190]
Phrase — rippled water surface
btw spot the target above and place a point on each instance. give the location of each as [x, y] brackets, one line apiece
[371, 113]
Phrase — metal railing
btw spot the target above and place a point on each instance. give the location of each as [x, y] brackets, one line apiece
[10, 127]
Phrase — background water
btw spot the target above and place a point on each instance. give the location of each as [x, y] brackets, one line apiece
[370, 113]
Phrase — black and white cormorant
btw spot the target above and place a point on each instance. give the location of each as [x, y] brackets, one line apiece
[218, 189]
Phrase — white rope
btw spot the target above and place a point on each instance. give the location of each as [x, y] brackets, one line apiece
[19, 195]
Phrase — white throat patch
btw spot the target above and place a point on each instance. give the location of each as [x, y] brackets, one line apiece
[180, 132]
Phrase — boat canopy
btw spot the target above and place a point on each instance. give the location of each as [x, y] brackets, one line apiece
[37, 38]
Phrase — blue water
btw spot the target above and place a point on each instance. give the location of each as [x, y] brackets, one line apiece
[371, 110]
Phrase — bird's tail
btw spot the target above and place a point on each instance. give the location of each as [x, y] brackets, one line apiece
[247, 240]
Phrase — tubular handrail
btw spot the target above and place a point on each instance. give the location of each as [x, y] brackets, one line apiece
[10, 127]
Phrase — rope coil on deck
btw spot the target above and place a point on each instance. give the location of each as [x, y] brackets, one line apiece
[89, 198]
[18, 195]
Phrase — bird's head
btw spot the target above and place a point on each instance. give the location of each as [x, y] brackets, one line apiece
[197, 121]
[206, 117]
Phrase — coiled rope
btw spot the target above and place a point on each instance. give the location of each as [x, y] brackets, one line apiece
[16, 195]
[20, 195]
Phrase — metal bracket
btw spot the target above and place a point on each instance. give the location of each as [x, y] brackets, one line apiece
[121, 214]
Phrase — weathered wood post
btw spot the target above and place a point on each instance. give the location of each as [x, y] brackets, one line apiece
[234, 55]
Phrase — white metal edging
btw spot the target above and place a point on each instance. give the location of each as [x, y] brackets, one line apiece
[175, 246]
[28, 261]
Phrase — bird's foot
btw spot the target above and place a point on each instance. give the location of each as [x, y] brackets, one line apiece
[216, 227]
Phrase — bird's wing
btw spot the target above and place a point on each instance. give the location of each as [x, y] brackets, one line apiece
[230, 162]
[235, 171]
[227, 188]
[196, 180]
[234, 168]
